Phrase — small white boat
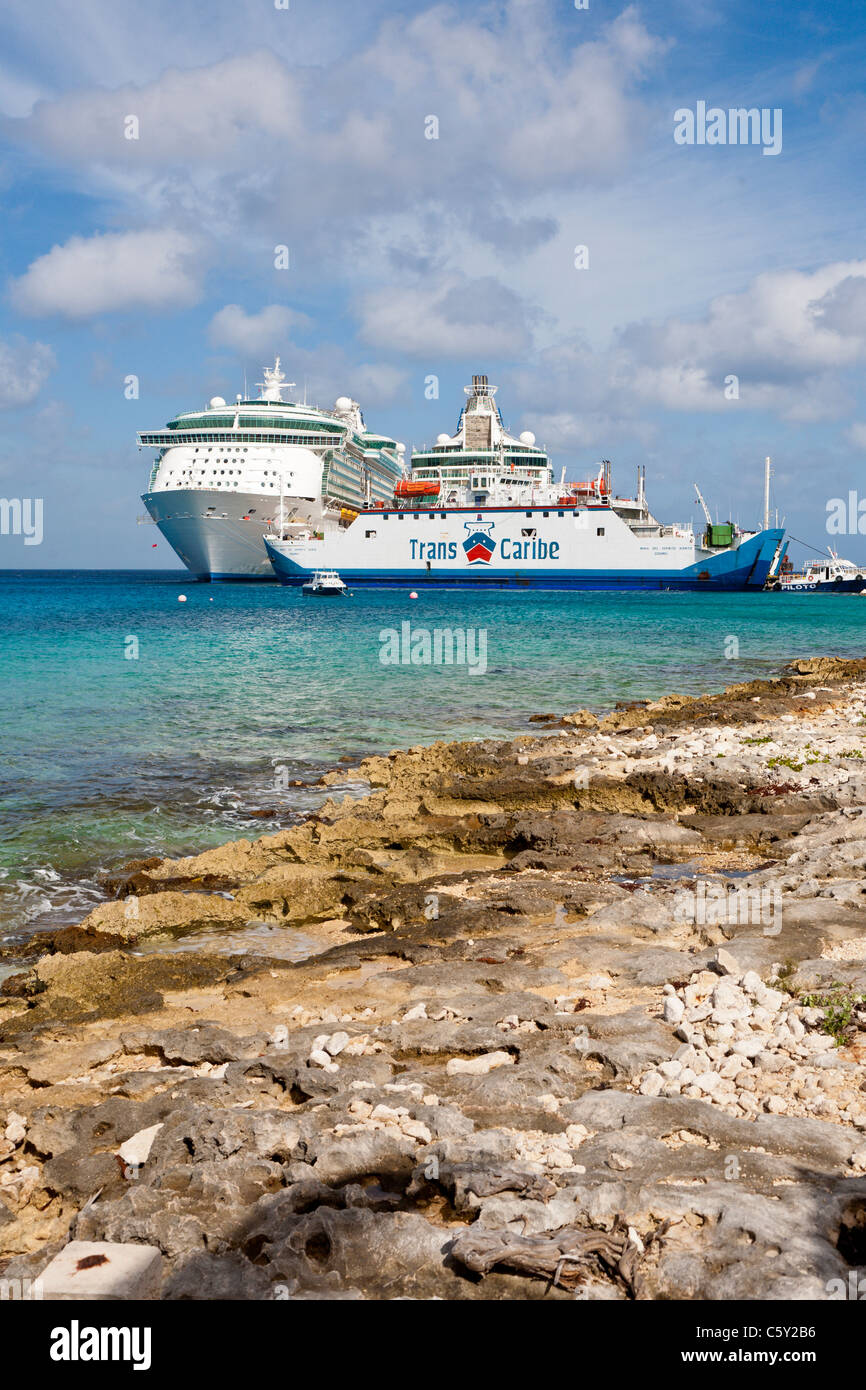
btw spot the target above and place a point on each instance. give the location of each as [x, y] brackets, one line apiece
[325, 584]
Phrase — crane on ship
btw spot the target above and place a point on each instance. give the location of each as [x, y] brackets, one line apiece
[704, 506]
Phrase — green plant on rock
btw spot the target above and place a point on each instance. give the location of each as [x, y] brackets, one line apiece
[839, 1004]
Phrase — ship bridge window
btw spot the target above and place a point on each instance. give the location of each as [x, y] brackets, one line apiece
[599, 530]
[529, 513]
[560, 513]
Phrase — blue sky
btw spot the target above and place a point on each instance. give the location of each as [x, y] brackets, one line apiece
[412, 257]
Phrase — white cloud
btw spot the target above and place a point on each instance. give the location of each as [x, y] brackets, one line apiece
[857, 434]
[158, 269]
[185, 118]
[786, 338]
[248, 142]
[252, 335]
[377, 383]
[453, 317]
[24, 369]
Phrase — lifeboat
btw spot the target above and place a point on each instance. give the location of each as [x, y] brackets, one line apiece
[416, 487]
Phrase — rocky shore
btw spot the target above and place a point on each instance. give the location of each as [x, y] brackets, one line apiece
[583, 1015]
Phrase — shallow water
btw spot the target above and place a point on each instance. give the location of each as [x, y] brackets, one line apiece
[243, 689]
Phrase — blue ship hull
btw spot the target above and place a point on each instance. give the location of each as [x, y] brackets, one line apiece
[746, 566]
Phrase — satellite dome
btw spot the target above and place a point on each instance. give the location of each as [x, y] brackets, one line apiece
[527, 437]
[216, 400]
[343, 403]
[443, 439]
[401, 448]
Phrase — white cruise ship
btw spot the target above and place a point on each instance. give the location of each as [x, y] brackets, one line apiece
[225, 474]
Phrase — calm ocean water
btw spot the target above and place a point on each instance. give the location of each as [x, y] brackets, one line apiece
[243, 688]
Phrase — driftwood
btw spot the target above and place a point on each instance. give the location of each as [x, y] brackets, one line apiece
[562, 1257]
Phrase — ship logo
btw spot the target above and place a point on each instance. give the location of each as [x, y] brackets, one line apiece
[479, 544]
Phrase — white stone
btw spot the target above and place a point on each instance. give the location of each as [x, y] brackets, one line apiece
[651, 1084]
[123, 1272]
[478, 1066]
[673, 1009]
[726, 962]
[335, 1044]
[320, 1058]
[417, 1011]
[389, 1114]
[136, 1150]
[416, 1130]
[671, 1068]
[748, 1047]
[708, 1081]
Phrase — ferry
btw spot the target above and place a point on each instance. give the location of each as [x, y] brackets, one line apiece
[832, 576]
[224, 473]
[481, 509]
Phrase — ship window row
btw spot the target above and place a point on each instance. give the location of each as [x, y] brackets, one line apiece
[253, 422]
[310, 440]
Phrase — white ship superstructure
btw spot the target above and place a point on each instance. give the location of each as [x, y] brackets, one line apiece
[224, 474]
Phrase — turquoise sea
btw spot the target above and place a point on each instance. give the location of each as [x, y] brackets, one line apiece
[242, 689]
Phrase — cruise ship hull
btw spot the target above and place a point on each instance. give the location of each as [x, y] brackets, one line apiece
[225, 545]
[521, 548]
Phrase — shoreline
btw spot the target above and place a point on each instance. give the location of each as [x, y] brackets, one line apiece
[511, 1024]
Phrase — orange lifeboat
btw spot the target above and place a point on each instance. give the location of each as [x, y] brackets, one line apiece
[414, 487]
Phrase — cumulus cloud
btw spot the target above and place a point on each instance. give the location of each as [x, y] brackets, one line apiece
[792, 339]
[24, 369]
[786, 338]
[248, 141]
[453, 317]
[184, 118]
[258, 334]
[153, 269]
